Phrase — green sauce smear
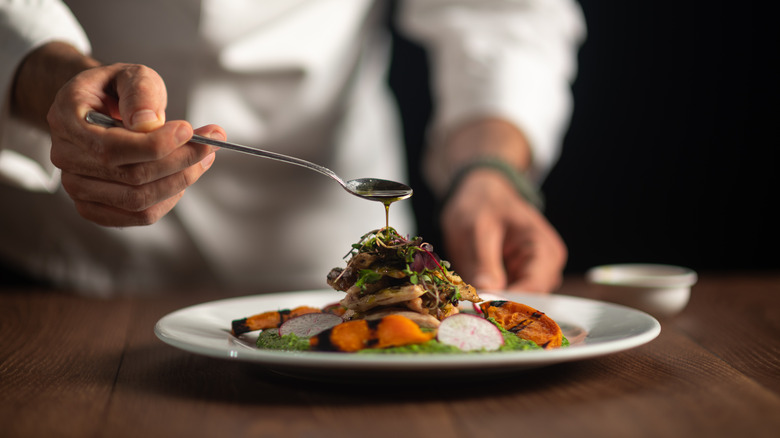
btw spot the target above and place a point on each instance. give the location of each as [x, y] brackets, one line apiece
[270, 340]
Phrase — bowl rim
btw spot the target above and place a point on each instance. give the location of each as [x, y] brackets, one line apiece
[643, 275]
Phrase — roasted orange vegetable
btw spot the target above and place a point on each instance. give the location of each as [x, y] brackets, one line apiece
[524, 321]
[397, 330]
[348, 336]
[335, 308]
[390, 331]
[268, 320]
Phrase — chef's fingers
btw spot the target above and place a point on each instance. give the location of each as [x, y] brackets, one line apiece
[110, 216]
[142, 97]
[473, 222]
[112, 203]
[535, 256]
[483, 261]
[102, 152]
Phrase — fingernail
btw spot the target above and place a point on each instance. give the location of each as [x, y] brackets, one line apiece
[182, 134]
[216, 135]
[143, 117]
[208, 161]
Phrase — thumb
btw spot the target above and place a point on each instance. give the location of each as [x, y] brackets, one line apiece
[142, 97]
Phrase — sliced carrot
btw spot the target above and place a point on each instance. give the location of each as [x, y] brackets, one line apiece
[351, 336]
[397, 330]
[525, 321]
[348, 336]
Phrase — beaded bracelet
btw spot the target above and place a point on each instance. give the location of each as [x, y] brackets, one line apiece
[523, 186]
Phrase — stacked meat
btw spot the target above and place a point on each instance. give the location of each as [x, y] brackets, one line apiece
[389, 274]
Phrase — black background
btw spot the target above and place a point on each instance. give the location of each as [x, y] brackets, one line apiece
[671, 154]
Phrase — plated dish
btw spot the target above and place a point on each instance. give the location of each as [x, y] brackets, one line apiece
[593, 328]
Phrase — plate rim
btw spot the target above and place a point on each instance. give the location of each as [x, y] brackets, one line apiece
[234, 349]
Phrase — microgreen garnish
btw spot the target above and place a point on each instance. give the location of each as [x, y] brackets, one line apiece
[416, 262]
[367, 276]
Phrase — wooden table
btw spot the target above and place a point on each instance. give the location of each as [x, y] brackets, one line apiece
[83, 367]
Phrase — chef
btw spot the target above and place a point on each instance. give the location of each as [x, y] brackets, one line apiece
[138, 209]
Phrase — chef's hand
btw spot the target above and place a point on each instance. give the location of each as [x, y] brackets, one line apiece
[496, 240]
[124, 176]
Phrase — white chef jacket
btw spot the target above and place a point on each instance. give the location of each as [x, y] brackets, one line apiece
[301, 77]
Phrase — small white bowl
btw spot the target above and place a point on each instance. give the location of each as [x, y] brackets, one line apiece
[660, 290]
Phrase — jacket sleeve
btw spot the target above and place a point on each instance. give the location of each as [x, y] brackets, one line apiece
[510, 59]
[24, 26]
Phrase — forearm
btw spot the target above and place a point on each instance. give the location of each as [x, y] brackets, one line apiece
[514, 63]
[482, 139]
[41, 75]
[485, 138]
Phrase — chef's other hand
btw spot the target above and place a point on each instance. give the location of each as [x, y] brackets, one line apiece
[497, 240]
[124, 176]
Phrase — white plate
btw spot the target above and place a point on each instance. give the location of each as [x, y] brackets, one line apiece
[594, 329]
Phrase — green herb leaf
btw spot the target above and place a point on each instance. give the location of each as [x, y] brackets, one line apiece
[366, 276]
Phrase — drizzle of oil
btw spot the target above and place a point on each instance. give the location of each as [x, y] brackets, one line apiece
[386, 197]
[387, 202]
[387, 213]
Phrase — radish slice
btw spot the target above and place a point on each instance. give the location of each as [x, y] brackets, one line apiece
[469, 333]
[310, 324]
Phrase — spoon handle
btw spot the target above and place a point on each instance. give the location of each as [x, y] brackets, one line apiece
[105, 121]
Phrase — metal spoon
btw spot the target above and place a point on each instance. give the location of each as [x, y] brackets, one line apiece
[375, 189]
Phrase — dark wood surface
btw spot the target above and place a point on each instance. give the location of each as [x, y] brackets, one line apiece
[84, 367]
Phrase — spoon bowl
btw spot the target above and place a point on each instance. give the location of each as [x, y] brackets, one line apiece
[373, 189]
[381, 190]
